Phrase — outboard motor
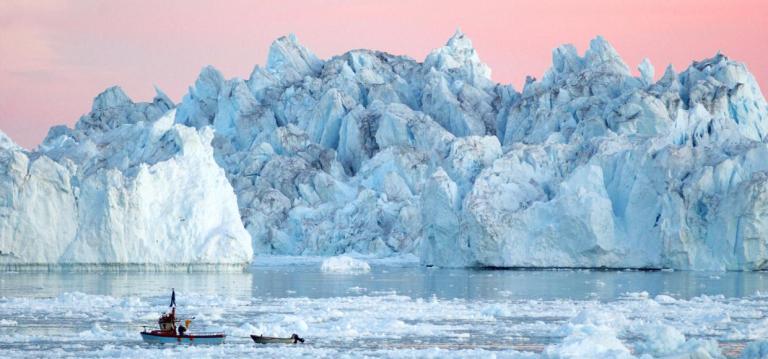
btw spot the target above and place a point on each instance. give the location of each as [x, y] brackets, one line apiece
[296, 338]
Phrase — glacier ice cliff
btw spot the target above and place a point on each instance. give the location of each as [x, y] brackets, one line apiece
[127, 185]
[372, 153]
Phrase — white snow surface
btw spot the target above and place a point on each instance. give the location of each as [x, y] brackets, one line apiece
[377, 154]
[7, 143]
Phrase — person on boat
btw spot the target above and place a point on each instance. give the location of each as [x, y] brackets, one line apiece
[173, 297]
[167, 321]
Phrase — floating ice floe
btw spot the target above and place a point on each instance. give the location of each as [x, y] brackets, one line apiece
[633, 327]
[345, 264]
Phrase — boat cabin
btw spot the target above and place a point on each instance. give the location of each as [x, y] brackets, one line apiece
[167, 321]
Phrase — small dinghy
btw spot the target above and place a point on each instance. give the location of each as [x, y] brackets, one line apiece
[170, 333]
[260, 339]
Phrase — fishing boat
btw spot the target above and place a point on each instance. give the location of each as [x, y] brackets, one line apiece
[160, 337]
[170, 333]
[260, 339]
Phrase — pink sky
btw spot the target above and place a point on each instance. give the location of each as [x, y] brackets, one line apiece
[55, 55]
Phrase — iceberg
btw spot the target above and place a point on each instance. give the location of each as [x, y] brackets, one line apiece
[345, 265]
[382, 155]
[595, 334]
[602, 170]
[107, 192]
